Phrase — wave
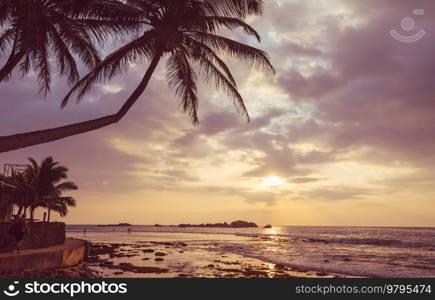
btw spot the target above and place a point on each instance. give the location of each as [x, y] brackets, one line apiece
[354, 264]
[351, 241]
[372, 242]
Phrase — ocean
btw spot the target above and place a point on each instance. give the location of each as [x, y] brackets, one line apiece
[354, 251]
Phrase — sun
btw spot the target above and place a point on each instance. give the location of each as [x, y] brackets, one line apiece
[272, 181]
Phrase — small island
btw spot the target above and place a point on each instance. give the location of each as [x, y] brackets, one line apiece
[235, 224]
[114, 225]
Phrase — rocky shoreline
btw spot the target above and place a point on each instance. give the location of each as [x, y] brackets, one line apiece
[166, 259]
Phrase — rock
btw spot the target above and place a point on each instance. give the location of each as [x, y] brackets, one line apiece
[124, 224]
[242, 224]
[268, 226]
[118, 273]
[146, 258]
[148, 251]
[249, 272]
[160, 254]
[230, 262]
[164, 243]
[326, 261]
[347, 259]
[137, 269]
[158, 259]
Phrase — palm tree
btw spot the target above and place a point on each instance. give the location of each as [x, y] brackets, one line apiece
[48, 185]
[185, 31]
[7, 192]
[23, 194]
[38, 31]
[59, 203]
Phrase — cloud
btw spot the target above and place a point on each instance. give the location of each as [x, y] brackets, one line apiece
[300, 180]
[338, 193]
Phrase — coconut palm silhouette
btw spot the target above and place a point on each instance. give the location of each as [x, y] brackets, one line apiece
[39, 31]
[186, 33]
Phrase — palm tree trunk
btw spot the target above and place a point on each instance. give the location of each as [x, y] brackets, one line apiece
[18, 141]
[35, 201]
[32, 214]
[48, 215]
[20, 210]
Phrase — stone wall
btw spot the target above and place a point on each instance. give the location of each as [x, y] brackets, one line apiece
[40, 235]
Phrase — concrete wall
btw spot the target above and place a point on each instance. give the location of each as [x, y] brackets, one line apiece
[40, 235]
[69, 254]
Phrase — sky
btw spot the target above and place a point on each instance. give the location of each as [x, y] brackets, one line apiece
[343, 134]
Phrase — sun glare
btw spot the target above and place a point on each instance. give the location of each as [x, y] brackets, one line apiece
[272, 181]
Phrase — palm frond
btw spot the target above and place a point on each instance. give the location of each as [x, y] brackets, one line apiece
[222, 82]
[115, 63]
[202, 49]
[42, 67]
[80, 43]
[6, 39]
[252, 56]
[182, 78]
[66, 186]
[234, 8]
[216, 22]
[66, 62]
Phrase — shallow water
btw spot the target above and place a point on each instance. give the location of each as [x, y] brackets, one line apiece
[357, 251]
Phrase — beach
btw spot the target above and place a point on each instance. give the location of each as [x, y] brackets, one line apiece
[142, 251]
[178, 259]
[169, 252]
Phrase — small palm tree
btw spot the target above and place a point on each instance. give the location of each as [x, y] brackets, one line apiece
[185, 32]
[40, 31]
[59, 203]
[23, 194]
[48, 185]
